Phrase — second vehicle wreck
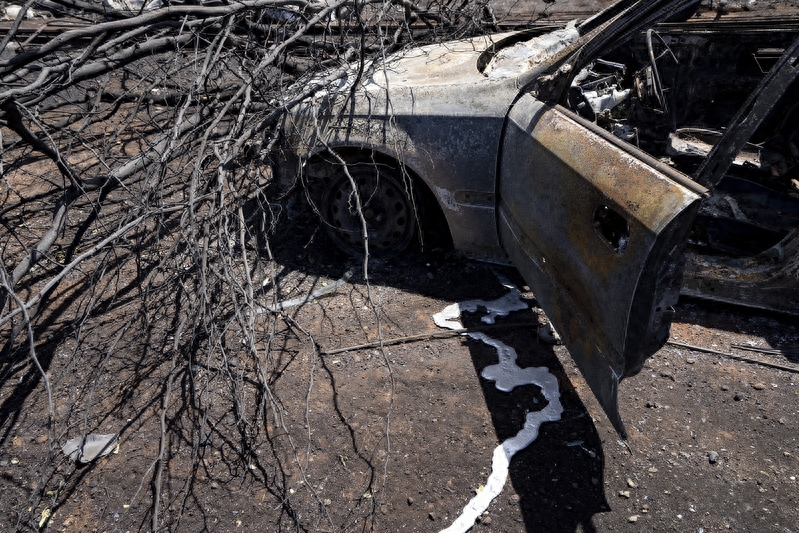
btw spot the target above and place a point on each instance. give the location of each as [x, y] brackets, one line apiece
[590, 156]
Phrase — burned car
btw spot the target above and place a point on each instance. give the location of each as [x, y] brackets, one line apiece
[596, 158]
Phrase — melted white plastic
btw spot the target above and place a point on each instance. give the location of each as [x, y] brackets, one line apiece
[525, 56]
[450, 316]
[507, 375]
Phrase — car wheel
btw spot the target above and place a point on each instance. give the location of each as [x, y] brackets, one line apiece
[388, 205]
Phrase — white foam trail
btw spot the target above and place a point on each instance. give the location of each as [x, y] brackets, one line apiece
[450, 316]
[478, 504]
[507, 375]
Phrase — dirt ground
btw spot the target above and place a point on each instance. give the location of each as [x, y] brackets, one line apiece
[402, 441]
[389, 439]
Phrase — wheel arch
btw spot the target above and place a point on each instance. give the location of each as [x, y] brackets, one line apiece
[432, 221]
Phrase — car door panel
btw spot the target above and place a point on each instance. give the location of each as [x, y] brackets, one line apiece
[597, 229]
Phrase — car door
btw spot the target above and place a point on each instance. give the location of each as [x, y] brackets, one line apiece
[597, 229]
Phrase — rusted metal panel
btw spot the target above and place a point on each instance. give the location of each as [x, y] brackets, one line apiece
[513, 13]
[769, 280]
[599, 236]
[510, 11]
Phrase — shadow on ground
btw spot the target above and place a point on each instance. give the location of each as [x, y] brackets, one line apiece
[558, 479]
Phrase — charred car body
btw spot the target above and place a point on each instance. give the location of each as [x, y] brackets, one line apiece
[591, 156]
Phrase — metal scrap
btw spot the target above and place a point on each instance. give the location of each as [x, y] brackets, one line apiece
[87, 449]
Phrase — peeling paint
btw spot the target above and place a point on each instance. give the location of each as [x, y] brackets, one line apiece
[447, 200]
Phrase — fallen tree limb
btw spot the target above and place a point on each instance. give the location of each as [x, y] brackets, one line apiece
[424, 336]
[176, 110]
[78, 260]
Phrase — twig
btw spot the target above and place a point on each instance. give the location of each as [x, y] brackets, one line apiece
[789, 368]
[423, 336]
[163, 440]
[195, 113]
[787, 352]
[305, 299]
[88, 253]
[4, 283]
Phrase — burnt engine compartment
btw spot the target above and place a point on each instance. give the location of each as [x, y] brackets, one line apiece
[672, 91]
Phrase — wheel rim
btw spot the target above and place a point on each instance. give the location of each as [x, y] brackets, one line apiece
[387, 208]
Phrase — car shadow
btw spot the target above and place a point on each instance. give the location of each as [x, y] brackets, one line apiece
[559, 478]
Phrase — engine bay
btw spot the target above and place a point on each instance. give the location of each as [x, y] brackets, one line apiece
[671, 92]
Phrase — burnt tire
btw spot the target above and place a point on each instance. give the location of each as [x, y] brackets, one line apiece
[388, 203]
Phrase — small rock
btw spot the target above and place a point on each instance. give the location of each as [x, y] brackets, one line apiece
[430, 275]
[214, 485]
[486, 520]
[327, 501]
[624, 493]
[781, 421]
[713, 457]
[633, 519]
[667, 375]
[725, 388]
[652, 469]
[690, 361]
[632, 484]
[758, 386]
[738, 397]
[431, 515]
[548, 335]
[384, 509]
[410, 500]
